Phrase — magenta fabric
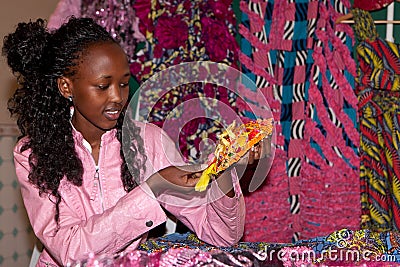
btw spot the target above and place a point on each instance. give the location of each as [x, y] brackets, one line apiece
[371, 5]
[304, 67]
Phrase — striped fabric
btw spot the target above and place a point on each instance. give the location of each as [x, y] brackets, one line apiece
[378, 91]
[304, 67]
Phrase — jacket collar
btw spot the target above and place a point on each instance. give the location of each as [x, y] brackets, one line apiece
[106, 138]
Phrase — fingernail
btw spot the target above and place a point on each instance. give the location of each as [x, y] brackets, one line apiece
[203, 166]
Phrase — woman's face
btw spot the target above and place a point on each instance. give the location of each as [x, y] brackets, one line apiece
[100, 88]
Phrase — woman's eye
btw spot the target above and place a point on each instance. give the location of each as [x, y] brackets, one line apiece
[124, 84]
[103, 86]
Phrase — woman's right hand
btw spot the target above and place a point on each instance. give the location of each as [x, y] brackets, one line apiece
[179, 178]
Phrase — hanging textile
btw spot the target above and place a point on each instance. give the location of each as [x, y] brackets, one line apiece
[117, 16]
[378, 90]
[268, 209]
[371, 5]
[178, 32]
[330, 174]
[292, 52]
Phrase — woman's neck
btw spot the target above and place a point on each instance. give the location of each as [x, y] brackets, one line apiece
[92, 135]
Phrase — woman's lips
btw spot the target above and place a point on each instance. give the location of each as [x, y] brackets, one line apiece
[112, 115]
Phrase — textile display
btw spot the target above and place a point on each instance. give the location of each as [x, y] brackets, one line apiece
[378, 90]
[340, 248]
[304, 67]
[120, 20]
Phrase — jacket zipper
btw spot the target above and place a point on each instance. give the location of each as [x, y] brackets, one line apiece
[96, 176]
[97, 179]
[48, 263]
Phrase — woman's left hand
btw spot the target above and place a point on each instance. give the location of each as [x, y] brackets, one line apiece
[253, 167]
[259, 151]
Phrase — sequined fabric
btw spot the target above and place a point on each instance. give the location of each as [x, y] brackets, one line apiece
[119, 18]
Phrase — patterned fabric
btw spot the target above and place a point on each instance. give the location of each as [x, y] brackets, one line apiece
[340, 248]
[371, 5]
[378, 91]
[178, 32]
[330, 185]
[117, 16]
[305, 69]
[263, 220]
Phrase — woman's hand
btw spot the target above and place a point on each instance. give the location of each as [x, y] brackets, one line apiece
[253, 168]
[179, 178]
[259, 151]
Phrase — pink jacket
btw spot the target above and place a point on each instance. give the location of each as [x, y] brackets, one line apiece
[100, 217]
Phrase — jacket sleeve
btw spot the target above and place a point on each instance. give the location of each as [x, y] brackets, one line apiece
[109, 232]
[214, 217]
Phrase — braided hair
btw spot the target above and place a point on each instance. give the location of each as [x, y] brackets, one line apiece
[38, 57]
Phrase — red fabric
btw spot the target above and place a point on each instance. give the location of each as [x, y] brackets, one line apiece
[370, 5]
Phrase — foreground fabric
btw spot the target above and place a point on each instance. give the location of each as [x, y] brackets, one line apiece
[341, 248]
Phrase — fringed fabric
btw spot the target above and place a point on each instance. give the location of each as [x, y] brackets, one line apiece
[305, 69]
[330, 177]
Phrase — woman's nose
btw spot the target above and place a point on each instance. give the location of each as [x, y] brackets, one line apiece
[116, 94]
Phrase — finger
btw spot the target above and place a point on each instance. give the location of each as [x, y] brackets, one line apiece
[192, 181]
[261, 150]
[258, 150]
[192, 168]
[251, 155]
[195, 175]
[268, 146]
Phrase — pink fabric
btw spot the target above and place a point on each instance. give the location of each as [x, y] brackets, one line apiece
[63, 10]
[270, 222]
[106, 221]
[328, 196]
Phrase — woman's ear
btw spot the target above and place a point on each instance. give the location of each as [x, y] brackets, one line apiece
[64, 86]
